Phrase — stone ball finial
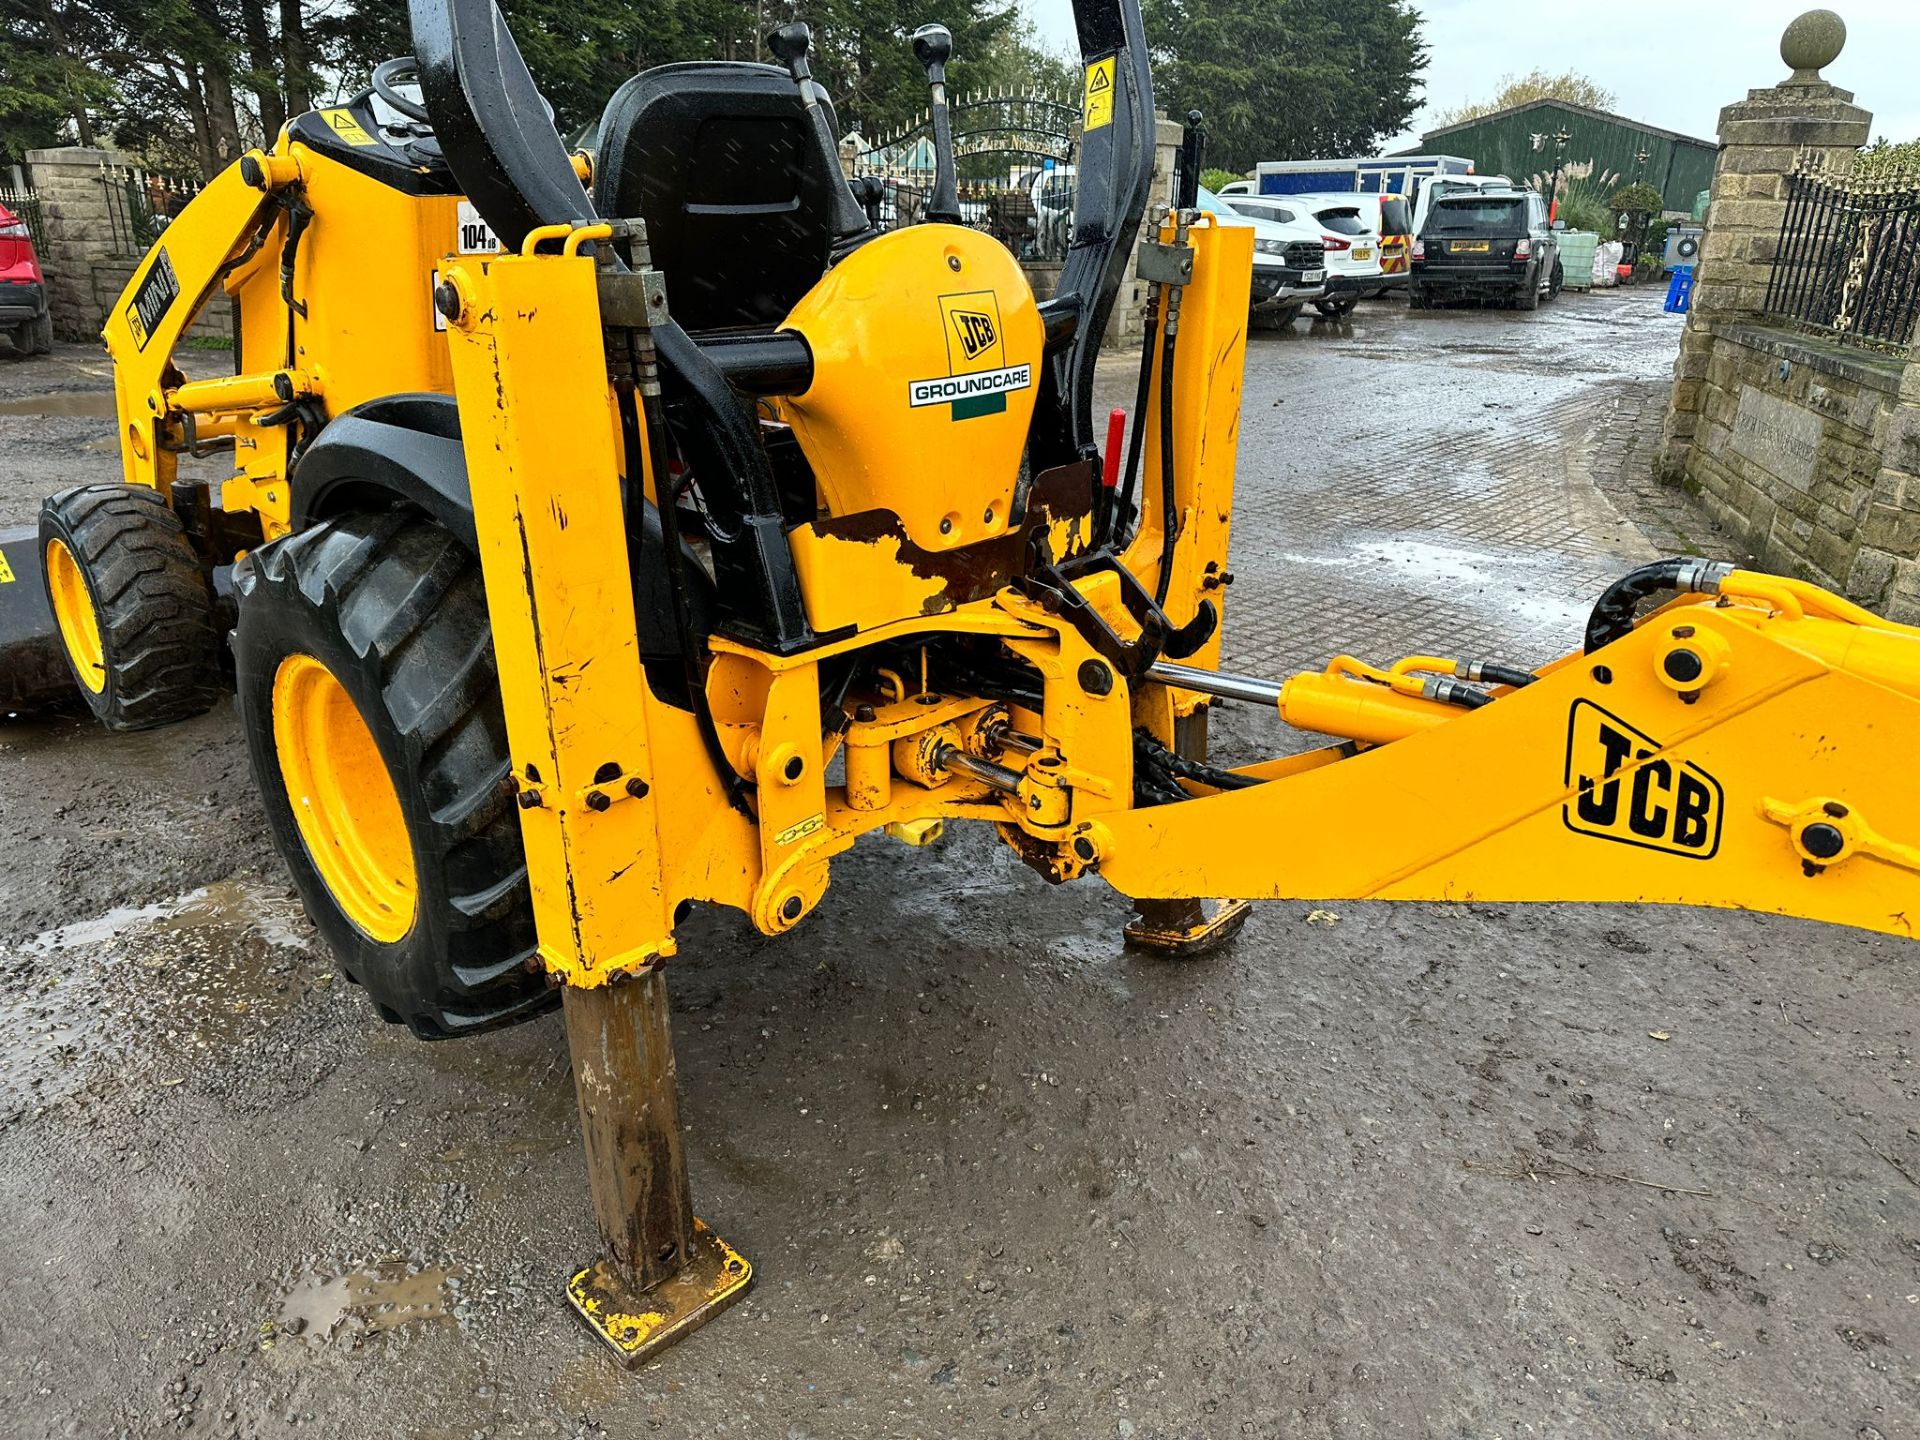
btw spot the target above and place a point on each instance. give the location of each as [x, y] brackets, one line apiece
[1812, 42]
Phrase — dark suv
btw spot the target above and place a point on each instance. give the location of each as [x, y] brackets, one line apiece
[1485, 244]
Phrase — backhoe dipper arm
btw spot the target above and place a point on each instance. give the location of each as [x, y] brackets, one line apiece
[1754, 753]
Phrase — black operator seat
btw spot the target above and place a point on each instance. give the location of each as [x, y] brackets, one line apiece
[719, 160]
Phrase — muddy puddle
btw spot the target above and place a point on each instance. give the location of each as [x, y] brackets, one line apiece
[63, 402]
[323, 1309]
[134, 999]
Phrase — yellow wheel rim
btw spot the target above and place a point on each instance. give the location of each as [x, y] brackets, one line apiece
[79, 622]
[343, 799]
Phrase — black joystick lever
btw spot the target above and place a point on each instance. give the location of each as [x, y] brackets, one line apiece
[790, 44]
[933, 47]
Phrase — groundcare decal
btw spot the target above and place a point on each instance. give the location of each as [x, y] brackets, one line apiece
[978, 377]
[1625, 793]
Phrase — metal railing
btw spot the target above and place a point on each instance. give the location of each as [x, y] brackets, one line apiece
[1014, 157]
[25, 204]
[1848, 263]
[140, 204]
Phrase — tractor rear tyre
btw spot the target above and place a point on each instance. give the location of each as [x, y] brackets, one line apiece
[367, 691]
[132, 603]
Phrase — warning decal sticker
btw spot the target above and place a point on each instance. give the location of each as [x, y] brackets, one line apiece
[6, 570]
[1098, 109]
[342, 123]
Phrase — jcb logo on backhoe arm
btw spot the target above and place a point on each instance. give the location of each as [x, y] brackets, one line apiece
[1625, 793]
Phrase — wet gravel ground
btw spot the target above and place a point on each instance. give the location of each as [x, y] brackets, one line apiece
[1389, 1170]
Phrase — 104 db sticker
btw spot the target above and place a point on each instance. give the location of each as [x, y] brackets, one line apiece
[1626, 790]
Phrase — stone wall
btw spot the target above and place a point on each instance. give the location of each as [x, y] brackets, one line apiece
[1788, 453]
[1806, 450]
[85, 269]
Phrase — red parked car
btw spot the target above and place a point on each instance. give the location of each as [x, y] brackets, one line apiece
[23, 289]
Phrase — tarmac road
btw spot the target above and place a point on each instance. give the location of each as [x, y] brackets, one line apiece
[1417, 1170]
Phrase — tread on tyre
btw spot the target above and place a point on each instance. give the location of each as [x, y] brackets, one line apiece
[135, 614]
[406, 848]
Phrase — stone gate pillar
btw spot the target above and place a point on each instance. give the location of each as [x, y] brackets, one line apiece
[73, 205]
[1761, 140]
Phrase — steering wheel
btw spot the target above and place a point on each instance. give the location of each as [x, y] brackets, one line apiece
[384, 87]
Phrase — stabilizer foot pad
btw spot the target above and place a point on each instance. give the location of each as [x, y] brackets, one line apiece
[637, 1323]
[1182, 929]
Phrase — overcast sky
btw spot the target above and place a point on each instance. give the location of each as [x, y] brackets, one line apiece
[1670, 65]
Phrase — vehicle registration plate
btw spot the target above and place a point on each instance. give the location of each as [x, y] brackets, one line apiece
[1307, 277]
[1479, 247]
[1363, 253]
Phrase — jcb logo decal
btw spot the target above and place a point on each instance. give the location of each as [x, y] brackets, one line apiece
[1627, 794]
[974, 329]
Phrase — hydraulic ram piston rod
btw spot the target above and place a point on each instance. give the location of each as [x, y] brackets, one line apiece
[1212, 682]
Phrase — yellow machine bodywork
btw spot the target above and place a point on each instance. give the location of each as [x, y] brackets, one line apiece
[942, 317]
[1807, 711]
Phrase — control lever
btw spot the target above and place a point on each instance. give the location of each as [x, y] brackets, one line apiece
[790, 44]
[933, 47]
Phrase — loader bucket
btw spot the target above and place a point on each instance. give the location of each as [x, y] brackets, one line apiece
[33, 666]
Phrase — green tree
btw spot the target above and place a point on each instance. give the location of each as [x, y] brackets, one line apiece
[190, 83]
[1288, 79]
[1569, 85]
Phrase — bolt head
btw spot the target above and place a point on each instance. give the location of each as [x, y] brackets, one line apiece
[1684, 666]
[636, 787]
[597, 800]
[446, 299]
[1096, 678]
[1822, 841]
[529, 799]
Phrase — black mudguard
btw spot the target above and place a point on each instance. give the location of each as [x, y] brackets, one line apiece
[405, 449]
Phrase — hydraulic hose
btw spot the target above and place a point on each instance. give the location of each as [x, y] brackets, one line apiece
[1159, 767]
[1169, 509]
[1613, 612]
[1123, 506]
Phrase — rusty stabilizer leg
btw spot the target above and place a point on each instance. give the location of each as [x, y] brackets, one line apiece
[664, 1274]
[1182, 929]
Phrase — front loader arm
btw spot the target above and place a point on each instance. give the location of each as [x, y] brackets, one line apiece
[1783, 783]
[173, 284]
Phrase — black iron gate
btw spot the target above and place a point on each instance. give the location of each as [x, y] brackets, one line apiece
[1014, 159]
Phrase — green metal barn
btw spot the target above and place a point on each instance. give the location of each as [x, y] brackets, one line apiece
[1520, 142]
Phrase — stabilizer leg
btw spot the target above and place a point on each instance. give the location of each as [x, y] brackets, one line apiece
[664, 1274]
[1185, 929]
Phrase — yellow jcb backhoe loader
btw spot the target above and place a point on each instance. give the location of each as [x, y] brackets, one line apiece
[616, 536]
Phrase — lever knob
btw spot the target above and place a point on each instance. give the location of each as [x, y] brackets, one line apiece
[933, 47]
[790, 44]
